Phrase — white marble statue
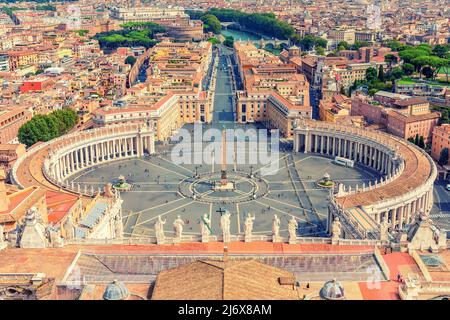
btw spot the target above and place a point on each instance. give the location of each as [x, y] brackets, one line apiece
[205, 225]
[118, 226]
[275, 226]
[159, 230]
[249, 225]
[336, 228]
[178, 227]
[225, 226]
[292, 228]
[384, 229]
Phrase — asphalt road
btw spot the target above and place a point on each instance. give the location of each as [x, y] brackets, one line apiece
[223, 107]
[440, 213]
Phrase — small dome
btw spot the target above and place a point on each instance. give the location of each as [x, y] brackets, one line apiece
[332, 290]
[116, 291]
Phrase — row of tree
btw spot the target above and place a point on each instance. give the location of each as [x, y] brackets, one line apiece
[47, 127]
[135, 34]
[418, 141]
[263, 23]
[424, 59]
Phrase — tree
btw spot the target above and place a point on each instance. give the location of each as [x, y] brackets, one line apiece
[211, 23]
[395, 45]
[213, 40]
[432, 62]
[371, 74]
[410, 54]
[408, 68]
[320, 51]
[228, 42]
[381, 74]
[390, 59]
[441, 50]
[343, 44]
[396, 73]
[307, 42]
[421, 143]
[47, 127]
[443, 158]
[360, 44]
[131, 60]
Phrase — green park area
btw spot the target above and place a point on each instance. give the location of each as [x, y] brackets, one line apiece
[131, 35]
[411, 81]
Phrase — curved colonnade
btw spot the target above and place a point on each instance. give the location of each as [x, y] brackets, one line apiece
[50, 164]
[405, 189]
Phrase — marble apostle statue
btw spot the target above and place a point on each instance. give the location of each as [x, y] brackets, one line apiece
[336, 228]
[384, 229]
[178, 228]
[275, 228]
[249, 227]
[159, 230]
[292, 228]
[335, 231]
[205, 225]
[225, 226]
[118, 226]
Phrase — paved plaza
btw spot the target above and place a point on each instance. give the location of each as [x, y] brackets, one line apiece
[290, 191]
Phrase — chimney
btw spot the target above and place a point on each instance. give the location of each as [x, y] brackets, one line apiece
[225, 254]
[4, 200]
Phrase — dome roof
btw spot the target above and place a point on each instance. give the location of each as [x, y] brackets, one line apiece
[116, 291]
[332, 290]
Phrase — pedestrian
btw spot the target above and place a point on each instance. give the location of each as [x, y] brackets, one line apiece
[399, 277]
[307, 286]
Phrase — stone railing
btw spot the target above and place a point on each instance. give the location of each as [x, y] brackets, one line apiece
[198, 238]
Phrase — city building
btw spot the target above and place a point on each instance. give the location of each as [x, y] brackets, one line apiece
[402, 116]
[440, 140]
[11, 119]
[9, 153]
[274, 92]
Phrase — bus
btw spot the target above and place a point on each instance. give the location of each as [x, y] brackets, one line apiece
[344, 162]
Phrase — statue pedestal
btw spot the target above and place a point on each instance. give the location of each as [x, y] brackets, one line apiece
[248, 238]
[292, 240]
[334, 241]
[176, 240]
[276, 239]
[3, 245]
[160, 241]
[205, 238]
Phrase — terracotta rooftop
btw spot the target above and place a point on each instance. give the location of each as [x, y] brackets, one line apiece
[219, 280]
